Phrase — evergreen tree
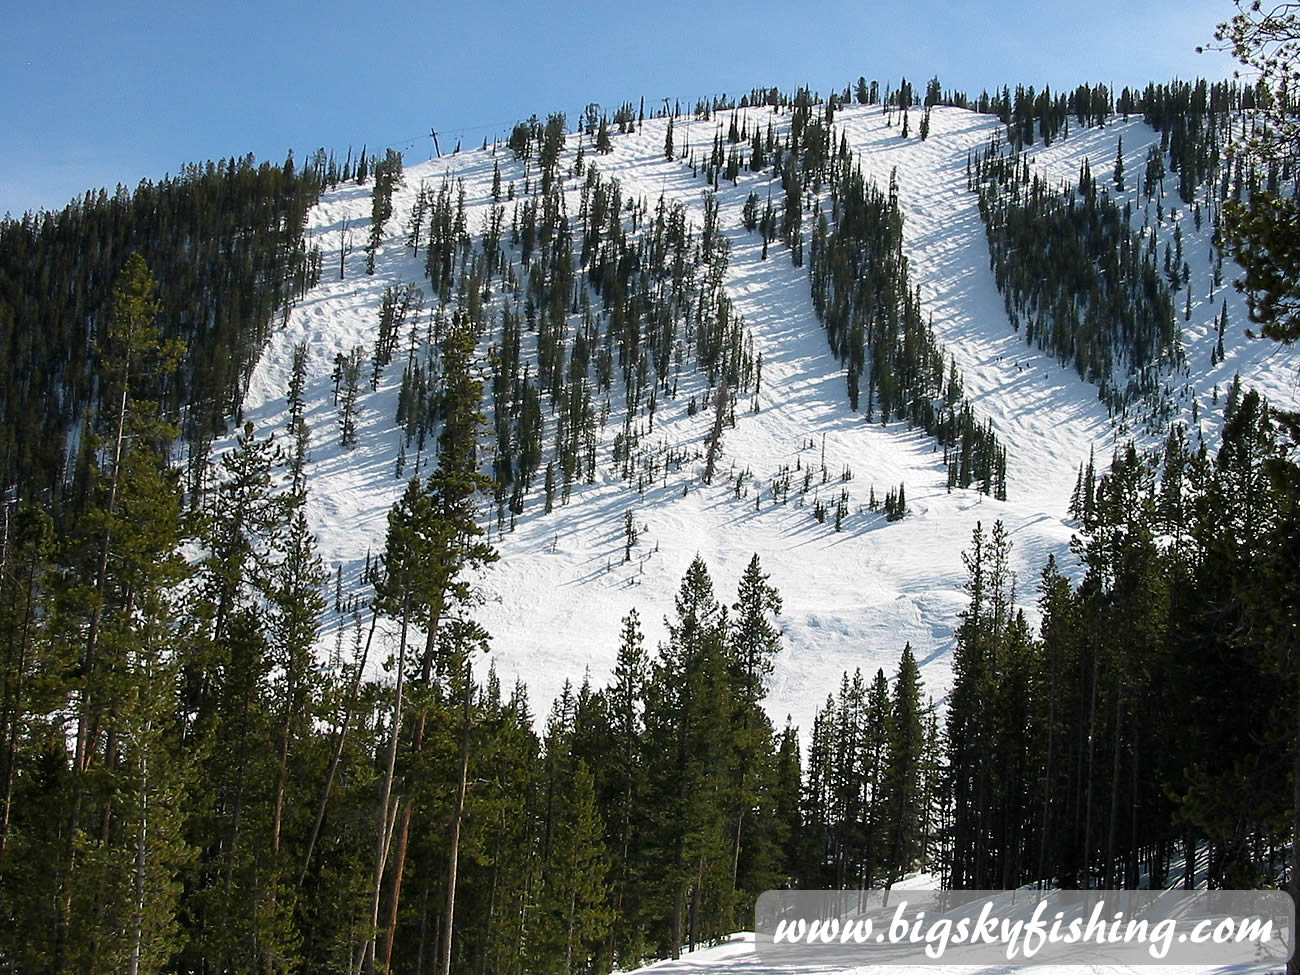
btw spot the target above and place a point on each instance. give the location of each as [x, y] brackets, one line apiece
[1261, 232]
[241, 535]
[572, 918]
[117, 882]
[626, 784]
[297, 601]
[688, 724]
[226, 241]
[26, 578]
[434, 547]
[902, 796]
[350, 373]
[388, 174]
[755, 640]
[970, 730]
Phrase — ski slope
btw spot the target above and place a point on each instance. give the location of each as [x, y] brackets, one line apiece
[852, 599]
[737, 956]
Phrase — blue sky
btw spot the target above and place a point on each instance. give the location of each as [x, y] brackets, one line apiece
[96, 94]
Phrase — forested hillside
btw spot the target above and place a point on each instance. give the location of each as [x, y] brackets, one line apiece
[411, 566]
[224, 242]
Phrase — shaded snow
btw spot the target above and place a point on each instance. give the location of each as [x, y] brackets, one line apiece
[554, 602]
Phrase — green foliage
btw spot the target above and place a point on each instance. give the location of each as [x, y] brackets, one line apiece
[1077, 278]
[225, 243]
[857, 272]
[755, 639]
[1055, 742]
[902, 785]
[1265, 240]
[388, 174]
[349, 368]
[187, 788]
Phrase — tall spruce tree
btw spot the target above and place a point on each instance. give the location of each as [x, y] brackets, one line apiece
[903, 787]
[689, 731]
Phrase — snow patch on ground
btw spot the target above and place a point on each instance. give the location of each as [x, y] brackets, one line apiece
[852, 599]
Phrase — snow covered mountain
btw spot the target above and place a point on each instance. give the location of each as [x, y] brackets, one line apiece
[852, 597]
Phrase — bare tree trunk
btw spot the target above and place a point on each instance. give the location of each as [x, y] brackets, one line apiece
[1293, 966]
[338, 750]
[1087, 811]
[133, 964]
[367, 957]
[345, 246]
[715, 436]
[394, 900]
[1113, 825]
[268, 962]
[417, 745]
[1041, 872]
[14, 707]
[454, 857]
[677, 924]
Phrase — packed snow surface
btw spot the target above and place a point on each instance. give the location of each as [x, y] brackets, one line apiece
[554, 602]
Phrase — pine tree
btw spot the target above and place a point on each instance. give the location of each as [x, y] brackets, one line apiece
[572, 917]
[714, 446]
[26, 576]
[1261, 233]
[296, 600]
[971, 732]
[434, 548]
[247, 519]
[754, 638]
[688, 731]
[416, 220]
[134, 358]
[121, 889]
[297, 422]
[872, 723]
[786, 790]
[626, 701]
[350, 373]
[761, 817]
[902, 789]
[388, 174]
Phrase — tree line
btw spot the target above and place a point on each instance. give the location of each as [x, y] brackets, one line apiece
[225, 241]
[1145, 735]
[409, 814]
[187, 786]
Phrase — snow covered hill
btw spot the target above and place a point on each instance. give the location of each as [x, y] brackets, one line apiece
[852, 598]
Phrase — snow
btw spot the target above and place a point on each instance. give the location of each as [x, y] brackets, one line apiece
[852, 599]
[737, 956]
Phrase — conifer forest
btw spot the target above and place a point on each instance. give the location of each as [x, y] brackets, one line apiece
[228, 743]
